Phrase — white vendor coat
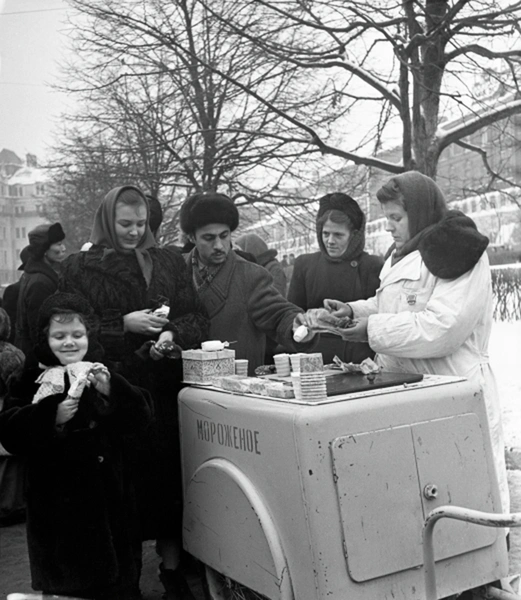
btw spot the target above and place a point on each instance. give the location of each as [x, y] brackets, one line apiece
[419, 323]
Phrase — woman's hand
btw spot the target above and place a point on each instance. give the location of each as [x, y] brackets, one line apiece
[166, 336]
[99, 376]
[143, 322]
[338, 309]
[357, 332]
[66, 410]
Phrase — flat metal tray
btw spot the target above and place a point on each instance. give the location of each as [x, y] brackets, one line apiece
[348, 383]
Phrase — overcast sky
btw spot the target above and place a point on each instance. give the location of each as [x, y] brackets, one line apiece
[32, 40]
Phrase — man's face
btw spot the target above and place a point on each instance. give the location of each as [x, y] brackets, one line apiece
[213, 242]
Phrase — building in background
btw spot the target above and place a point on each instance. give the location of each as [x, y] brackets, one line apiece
[464, 178]
[23, 194]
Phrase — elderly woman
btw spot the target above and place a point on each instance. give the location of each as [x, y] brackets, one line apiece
[44, 256]
[340, 269]
[126, 277]
[433, 310]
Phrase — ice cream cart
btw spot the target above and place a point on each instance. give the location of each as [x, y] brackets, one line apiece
[287, 499]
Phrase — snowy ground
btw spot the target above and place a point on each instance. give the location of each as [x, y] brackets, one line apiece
[505, 357]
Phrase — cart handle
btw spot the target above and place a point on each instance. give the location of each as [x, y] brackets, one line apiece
[460, 514]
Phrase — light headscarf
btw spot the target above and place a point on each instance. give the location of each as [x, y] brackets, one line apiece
[104, 230]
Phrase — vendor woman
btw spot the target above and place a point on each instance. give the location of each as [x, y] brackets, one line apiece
[433, 310]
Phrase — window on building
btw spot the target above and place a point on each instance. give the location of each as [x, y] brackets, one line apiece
[17, 233]
[23, 232]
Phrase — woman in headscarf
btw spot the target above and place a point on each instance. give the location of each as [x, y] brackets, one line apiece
[125, 277]
[341, 269]
[433, 311]
[44, 256]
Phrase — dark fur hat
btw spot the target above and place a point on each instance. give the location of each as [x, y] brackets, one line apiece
[204, 208]
[453, 246]
[42, 237]
[52, 305]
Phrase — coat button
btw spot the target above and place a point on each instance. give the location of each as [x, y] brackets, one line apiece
[354, 263]
[100, 459]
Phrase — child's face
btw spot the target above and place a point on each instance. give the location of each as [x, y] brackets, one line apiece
[68, 340]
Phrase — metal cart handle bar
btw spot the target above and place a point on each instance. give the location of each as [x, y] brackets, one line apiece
[470, 516]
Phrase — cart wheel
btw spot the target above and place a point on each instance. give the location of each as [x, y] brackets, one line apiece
[219, 587]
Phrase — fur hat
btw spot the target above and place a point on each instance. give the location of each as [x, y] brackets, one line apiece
[72, 303]
[42, 237]
[204, 208]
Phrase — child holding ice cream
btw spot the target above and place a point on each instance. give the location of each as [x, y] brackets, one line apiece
[69, 417]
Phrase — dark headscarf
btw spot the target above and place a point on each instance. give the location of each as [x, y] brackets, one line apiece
[104, 231]
[345, 204]
[424, 203]
[73, 303]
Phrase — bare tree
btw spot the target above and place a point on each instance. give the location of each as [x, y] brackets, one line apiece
[173, 71]
[390, 71]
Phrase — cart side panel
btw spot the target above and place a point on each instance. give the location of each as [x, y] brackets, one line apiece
[229, 528]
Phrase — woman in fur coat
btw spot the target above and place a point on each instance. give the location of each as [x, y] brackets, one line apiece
[126, 278]
[68, 418]
[433, 310]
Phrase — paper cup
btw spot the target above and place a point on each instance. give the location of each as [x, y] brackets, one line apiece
[297, 389]
[295, 362]
[241, 366]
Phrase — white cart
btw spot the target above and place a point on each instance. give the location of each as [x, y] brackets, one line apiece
[327, 500]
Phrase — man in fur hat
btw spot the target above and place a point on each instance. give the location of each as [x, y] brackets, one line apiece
[243, 304]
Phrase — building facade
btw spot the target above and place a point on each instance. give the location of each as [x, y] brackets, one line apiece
[23, 194]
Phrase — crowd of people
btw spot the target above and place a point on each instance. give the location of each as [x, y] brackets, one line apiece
[90, 376]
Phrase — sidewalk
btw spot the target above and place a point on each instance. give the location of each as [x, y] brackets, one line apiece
[14, 567]
[14, 562]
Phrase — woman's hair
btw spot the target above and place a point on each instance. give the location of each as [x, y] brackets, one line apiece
[390, 192]
[65, 315]
[336, 216]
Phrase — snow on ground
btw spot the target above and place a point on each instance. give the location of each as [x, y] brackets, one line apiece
[505, 358]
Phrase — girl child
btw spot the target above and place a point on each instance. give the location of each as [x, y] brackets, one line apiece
[69, 417]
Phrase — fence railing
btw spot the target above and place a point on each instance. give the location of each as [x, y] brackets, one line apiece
[506, 287]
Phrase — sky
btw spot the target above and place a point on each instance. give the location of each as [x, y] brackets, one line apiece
[32, 42]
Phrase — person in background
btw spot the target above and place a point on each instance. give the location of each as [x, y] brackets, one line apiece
[341, 269]
[433, 311]
[243, 304]
[146, 302]
[12, 468]
[67, 417]
[11, 293]
[265, 257]
[46, 252]
[156, 214]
